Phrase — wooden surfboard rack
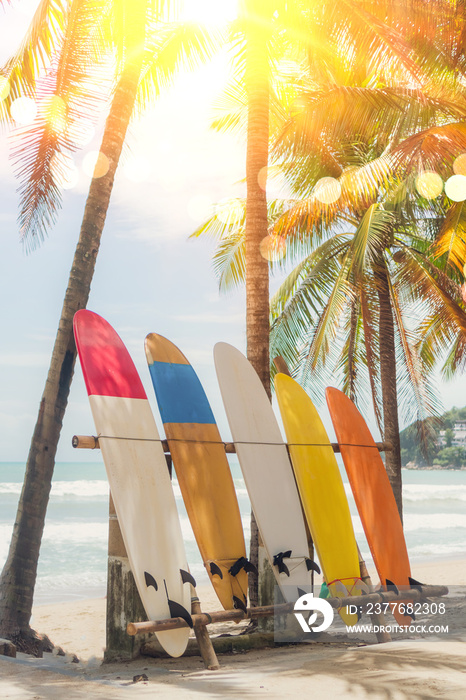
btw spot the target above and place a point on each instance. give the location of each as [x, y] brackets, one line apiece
[202, 620]
[91, 442]
[364, 601]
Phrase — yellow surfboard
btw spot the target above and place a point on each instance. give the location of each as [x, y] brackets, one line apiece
[322, 492]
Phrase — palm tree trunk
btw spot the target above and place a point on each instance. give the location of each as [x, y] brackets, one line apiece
[257, 272]
[18, 577]
[388, 381]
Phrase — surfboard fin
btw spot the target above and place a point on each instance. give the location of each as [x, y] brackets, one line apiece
[340, 589]
[411, 615]
[415, 584]
[215, 570]
[391, 586]
[280, 564]
[311, 565]
[150, 581]
[186, 577]
[250, 568]
[301, 592]
[241, 563]
[238, 604]
[363, 587]
[177, 610]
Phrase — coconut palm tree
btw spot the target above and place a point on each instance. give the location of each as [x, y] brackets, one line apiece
[316, 32]
[144, 61]
[331, 124]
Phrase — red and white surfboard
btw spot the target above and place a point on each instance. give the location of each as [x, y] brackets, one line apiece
[138, 475]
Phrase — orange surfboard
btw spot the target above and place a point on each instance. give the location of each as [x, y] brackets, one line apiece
[374, 497]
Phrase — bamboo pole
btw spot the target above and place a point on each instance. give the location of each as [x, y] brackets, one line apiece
[91, 442]
[203, 619]
[202, 636]
[377, 619]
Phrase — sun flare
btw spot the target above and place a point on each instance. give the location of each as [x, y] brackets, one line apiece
[209, 11]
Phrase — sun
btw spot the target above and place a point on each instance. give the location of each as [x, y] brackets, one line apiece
[209, 11]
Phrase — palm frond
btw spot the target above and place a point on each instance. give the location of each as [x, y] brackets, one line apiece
[377, 43]
[65, 97]
[297, 305]
[231, 108]
[432, 149]
[39, 45]
[417, 396]
[353, 357]
[169, 48]
[229, 261]
[370, 310]
[451, 242]
[370, 238]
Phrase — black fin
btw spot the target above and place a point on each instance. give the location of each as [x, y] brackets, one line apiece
[239, 604]
[280, 564]
[187, 578]
[249, 567]
[411, 615]
[177, 610]
[415, 584]
[241, 563]
[391, 586]
[301, 592]
[150, 581]
[215, 570]
[312, 565]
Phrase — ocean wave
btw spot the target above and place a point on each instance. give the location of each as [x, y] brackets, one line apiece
[67, 533]
[434, 521]
[441, 549]
[92, 489]
[418, 493]
[413, 522]
[434, 492]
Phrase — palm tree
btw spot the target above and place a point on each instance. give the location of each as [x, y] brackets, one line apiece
[334, 124]
[144, 62]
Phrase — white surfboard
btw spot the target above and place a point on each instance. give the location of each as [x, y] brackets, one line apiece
[266, 469]
[138, 476]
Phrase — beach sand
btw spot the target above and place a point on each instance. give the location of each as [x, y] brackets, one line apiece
[415, 667]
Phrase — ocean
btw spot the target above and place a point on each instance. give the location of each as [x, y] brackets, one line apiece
[73, 558]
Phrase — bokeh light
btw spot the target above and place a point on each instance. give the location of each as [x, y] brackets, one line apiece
[273, 248]
[429, 184]
[327, 190]
[137, 169]
[459, 166]
[4, 87]
[53, 110]
[229, 211]
[64, 171]
[200, 208]
[95, 164]
[23, 110]
[262, 178]
[455, 188]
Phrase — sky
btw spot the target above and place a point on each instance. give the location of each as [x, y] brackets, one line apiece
[149, 277]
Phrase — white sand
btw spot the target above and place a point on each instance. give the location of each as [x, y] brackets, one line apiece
[414, 668]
